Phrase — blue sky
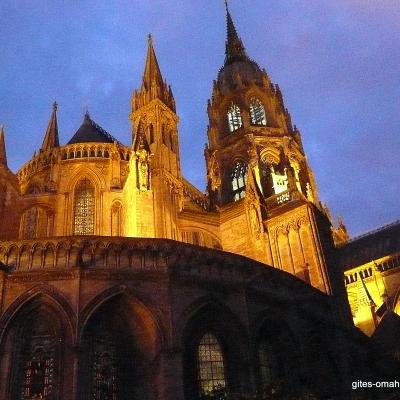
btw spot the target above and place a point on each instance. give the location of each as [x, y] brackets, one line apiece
[337, 63]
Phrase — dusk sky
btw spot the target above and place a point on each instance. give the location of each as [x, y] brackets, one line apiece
[337, 63]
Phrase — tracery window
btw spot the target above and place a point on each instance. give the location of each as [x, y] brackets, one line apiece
[257, 112]
[238, 180]
[38, 361]
[84, 208]
[210, 368]
[104, 385]
[234, 118]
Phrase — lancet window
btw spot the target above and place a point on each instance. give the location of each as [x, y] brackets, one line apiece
[104, 379]
[234, 118]
[38, 361]
[257, 112]
[266, 363]
[84, 208]
[210, 368]
[238, 180]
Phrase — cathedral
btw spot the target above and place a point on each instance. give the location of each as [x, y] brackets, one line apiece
[119, 279]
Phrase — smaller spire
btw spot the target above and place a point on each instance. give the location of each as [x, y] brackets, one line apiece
[152, 74]
[153, 86]
[51, 137]
[235, 50]
[3, 154]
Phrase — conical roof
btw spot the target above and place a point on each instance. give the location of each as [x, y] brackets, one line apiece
[89, 131]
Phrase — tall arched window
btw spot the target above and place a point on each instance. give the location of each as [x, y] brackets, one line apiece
[210, 368]
[84, 208]
[257, 112]
[267, 363]
[234, 118]
[116, 219]
[238, 180]
[37, 360]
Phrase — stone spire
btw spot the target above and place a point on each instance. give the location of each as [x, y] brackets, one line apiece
[152, 74]
[3, 155]
[51, 138]
[153, 84]
[234, 50]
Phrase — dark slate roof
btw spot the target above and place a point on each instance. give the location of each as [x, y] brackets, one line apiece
[370, 246]
[89, 131]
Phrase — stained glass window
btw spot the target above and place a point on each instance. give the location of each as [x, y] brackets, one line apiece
[211, 368]
[234, 118]
[84, 208]
[238, 180]
[104, 368]
[38, 362]
[257, 112]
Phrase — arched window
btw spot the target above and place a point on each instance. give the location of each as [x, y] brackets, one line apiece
[257, 112]
[116, 219]
[210, 368]
[267, 363]
[84, 208]
[234, 118]
[238, 180]
[37, 360]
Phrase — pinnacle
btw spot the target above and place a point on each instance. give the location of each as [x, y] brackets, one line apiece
[51, 137]
[3, 154]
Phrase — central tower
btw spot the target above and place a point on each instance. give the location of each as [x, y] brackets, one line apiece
[255, 156]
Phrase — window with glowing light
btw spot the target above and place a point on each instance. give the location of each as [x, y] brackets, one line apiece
[257, 112]
[210, 368]
[38, 361]
[84, 208]
[234, 118]
[238, 180]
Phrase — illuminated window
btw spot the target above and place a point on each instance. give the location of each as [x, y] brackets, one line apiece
[84, 208]
[38, 361]
[238, 180]
[210, 368]
[257, 112]
[234, 118]
[104, 383]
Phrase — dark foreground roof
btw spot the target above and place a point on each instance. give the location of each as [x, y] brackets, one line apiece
[370, 246]
[89, 131]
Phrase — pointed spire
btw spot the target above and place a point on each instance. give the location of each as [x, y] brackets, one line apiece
[152, 74]
[3, 154]
[235, 50]
[153, 86]
[51, 137]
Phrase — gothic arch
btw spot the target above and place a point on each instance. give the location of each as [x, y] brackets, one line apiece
[139, 305]
[25, 354]
[121, 343]
[41, 293]
[82, 172]
[275, 350]
[209, 317]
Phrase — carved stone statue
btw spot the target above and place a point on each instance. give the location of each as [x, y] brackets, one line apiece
[143, 168]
